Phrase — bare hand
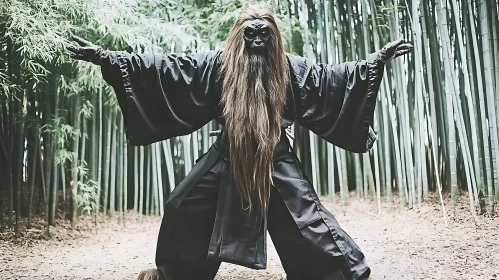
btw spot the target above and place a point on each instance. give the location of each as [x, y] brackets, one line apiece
[87, 51]
[394, 49]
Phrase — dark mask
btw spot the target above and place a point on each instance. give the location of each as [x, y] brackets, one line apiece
[256, 34]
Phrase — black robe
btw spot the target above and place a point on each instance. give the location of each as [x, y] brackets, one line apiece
[166, 95]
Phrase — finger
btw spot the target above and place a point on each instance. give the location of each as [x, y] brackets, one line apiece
[77, 56]
[73, 49]
[394, 44]
[82, 42]
[406, 46]
[401, 53]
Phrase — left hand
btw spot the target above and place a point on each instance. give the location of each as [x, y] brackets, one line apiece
[394, 49]
[87, 51]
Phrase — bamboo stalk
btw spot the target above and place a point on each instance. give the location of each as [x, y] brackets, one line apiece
[32, 175]
[148, 178]
[119, 170]
[107, 163]
[141, 181]
[136, 179]
[489, 92]
[112, 184]
[125, 180]
[155, 183]
[99, 157]
[450, 112]
[74, 167]
[187, 153]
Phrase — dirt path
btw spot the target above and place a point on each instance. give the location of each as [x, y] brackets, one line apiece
[399, 244]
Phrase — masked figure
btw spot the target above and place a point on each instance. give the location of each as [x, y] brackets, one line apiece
[250, 181]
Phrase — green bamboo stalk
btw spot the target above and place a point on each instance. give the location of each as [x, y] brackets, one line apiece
[330, 173]
[442, 23]
[81, 158]
[403, 113]
[468, 171]
[3, 155]
[432, 113]
[437, 176]
[47, 160]
[99, 157]
[157, 148]
[495, 35]
[74, 165]
[155, 183]
[376, 166]
[63, 182]
[94, 154]
[19, 160]
[187, 153]
[107, 163]
[359, 175]
[120, 171]
[136, 179]
[489, 92]
[340, 159]
[148, 178]
[369, 176]
[2, 183]
[365, 180]
[9, 144]
[112, 184]
[125, 178]
[33, 173]
[141, 180]
[55, 147]
[418, 117]
[391, 113]
[55, 189]
[206, 136]
[313, 154]
[481, 108]
[474, 141]
[195, 145]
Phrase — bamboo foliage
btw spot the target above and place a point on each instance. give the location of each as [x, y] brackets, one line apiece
[436, 115]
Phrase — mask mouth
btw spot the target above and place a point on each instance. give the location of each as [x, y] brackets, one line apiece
[257, 48]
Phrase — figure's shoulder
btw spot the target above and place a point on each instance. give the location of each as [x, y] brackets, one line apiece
[211, 56]
[300, 67]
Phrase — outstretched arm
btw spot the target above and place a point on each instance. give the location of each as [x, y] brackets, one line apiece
[160, 95]
[337, 102]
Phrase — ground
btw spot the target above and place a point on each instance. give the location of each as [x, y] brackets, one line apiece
[399, 243]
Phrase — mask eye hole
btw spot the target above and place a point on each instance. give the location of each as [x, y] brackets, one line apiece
[249, 32]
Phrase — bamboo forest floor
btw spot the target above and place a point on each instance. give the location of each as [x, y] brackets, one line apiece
[399, 244]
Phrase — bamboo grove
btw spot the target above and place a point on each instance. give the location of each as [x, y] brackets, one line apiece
[63, 151]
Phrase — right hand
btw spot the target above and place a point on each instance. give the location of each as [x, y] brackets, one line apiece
[394, 49]
[87, 51]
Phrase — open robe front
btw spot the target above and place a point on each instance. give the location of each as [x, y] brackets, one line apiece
[164, 95]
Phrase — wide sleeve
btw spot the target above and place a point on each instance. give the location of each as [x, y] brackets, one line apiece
[337, 102]
[162, 95]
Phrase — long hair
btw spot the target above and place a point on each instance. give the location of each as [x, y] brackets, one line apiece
[254, 92]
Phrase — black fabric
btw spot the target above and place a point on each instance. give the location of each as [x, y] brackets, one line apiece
[193, 225]
[337, 102]
[165, 95]
[204, 221]
[307, 252]
[162, 95]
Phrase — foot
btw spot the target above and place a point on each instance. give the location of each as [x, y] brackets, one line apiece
[150, 274]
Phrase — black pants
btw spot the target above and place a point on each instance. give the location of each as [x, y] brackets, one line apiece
[300, 257]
